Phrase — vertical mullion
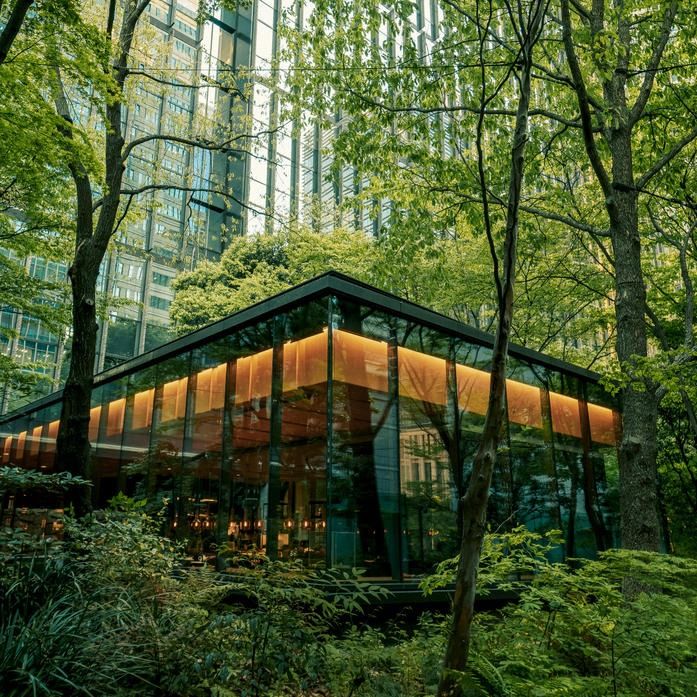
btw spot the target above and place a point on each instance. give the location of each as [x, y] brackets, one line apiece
[272, 518]
[329, 530]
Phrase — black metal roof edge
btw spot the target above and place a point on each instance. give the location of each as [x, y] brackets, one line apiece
[328, 282]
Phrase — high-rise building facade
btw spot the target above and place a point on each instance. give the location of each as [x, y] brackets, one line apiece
[226, 69]
[168, 230]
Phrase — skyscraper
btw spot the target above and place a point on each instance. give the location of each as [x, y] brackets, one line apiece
[168, 230]
[228, 68]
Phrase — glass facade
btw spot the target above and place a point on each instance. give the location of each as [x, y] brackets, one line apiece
[336, 424]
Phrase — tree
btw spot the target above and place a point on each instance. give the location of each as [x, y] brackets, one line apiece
[96, 163]
[254, 268]
[33, 18]
[34, 199]
[393, 118]
[622, 59]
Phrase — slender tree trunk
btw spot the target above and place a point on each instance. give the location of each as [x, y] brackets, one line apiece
[640, 524]
[73, 446]
[14, 24]
[473, 504]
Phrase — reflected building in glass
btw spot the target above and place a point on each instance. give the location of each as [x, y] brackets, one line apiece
[335, 424]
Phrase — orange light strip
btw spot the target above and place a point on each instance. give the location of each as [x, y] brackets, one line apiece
[357, 360]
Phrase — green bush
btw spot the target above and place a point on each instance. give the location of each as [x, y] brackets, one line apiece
[111, 611]
[574, 631]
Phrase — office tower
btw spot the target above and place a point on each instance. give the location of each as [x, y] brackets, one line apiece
[285, 173]
[169, 230]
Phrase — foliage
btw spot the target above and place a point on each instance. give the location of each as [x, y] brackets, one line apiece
[573, 631]
[112, 611]
[14, 478]
[252, 269]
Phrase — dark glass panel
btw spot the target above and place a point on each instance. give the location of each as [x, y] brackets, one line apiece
[203, 449]
[430, 465]
[583, 524]
[246, 439]
[6, 448]
[527, 466]
[472, 375]
[47, 454]
[604, 424]
[164, 464]
[106, 424]
[19, 441]
[36, 511]
[364, 497]
[302, 488]
[135, 452]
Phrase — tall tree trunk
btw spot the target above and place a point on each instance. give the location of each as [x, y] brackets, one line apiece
[91, 243]
[640, 524]
[473, 504]
[12, 27]
[73, 445]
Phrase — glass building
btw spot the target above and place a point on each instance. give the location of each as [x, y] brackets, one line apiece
[335, 424]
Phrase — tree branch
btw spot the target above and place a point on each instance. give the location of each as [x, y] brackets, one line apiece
[584, 104]
[654, 61]
[14, 24]
[665, 159]
[83, 188]
[566, 220]
[223, 146]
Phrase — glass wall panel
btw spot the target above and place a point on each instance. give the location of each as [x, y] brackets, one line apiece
[165, 478]
[472, 376]
[203, 449]
[106, 424]
[6, 447]
[135, 447]
[604, 426]
[430, 464]
[36, 511]
[527, 466]
[583, 522]
[49, 433]
[364, 493]
[246, 439]
[302, 490]
[19, 439]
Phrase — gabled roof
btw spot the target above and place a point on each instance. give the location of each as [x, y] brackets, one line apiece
[330, 283]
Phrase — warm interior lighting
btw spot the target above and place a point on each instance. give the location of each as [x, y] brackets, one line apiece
[35, 440]
[142, 409]
[360, 361]
[422, 377]
[174, 399]
[524, 404]
[253, 376]
[566, 418]
[114, 417]
[472, 389]
[602, 424]
[95, 414]
[51, 435]
[19, 451]
[305, 362]
[210, 389]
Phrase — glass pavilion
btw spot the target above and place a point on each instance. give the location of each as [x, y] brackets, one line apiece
[335, 423]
